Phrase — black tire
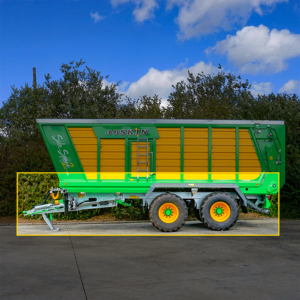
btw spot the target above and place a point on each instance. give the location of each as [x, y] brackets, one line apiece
[154, 212]
[206, 206]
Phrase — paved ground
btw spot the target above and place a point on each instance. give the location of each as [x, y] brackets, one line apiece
[253, 227]
[80, 268]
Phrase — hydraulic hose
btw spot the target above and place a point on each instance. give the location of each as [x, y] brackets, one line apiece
[46, 197]
[253, 206]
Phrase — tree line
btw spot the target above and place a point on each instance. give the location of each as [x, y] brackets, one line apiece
[81, 92]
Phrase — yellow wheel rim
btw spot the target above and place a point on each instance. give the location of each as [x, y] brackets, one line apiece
[220, 211]
[168, 212]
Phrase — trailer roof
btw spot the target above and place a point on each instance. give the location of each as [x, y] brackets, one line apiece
[156, 121]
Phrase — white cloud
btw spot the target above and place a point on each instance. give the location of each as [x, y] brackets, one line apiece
[144, 9]
[200, 17]
[160, 82]
[122, 87]
[97, 18]
[292, 86]
[257, 49]
[263, 88]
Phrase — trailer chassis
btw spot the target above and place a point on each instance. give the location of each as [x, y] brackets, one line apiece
[193, 198]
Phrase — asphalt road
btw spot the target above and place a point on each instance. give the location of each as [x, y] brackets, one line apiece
[81, 268]
[242, 227]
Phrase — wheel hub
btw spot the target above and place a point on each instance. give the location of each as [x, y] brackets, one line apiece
[168, 212]
[218, 211]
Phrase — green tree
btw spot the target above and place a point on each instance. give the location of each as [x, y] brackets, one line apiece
[21, 145]
[149, 108]
[207, 96]
[80, 93]
[142, 108]
[18, 113]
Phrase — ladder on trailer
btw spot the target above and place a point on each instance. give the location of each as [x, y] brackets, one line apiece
[140, 155]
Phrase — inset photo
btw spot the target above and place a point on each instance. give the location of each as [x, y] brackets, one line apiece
[155, 177]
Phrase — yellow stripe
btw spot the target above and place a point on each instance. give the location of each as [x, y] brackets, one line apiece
[112, 174]
[227, 175]
[172, 175]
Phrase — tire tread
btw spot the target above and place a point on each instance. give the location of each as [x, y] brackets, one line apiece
[210, 226]
[151, 214]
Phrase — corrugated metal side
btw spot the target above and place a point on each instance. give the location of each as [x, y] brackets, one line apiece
[223, 153]
[168, 152]
[195, 153]
[142, 158]
[112, 158]
[85, 143]
[248, 160]
[195, 149]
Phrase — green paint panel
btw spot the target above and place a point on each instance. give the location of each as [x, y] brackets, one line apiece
[61, 148]
[266, 183]
[269, 142]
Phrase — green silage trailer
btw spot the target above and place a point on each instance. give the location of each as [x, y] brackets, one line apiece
[216, 167]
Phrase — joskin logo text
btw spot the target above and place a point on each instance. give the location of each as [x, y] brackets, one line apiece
[127, 132]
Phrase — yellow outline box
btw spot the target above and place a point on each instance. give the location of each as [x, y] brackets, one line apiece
[165, 234]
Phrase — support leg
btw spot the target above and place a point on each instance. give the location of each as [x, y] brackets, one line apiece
[49, 223]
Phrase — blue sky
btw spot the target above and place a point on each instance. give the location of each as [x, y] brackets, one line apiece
[149, 45]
